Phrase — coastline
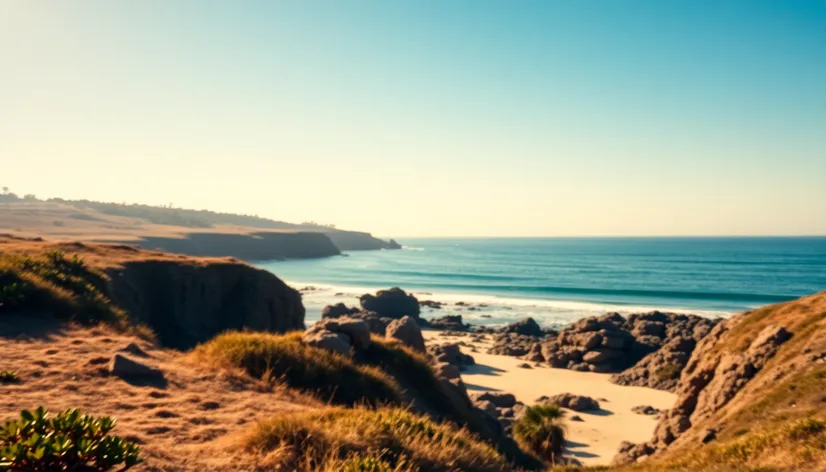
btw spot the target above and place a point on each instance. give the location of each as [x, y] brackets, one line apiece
[593, 441]
[482, 309]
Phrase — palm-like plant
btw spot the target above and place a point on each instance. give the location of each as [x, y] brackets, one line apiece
[542, 430]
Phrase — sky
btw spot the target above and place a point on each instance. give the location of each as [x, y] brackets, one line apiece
[427, 118]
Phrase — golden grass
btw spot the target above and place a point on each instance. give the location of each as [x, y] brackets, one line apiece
[330, 376]
[383, 440]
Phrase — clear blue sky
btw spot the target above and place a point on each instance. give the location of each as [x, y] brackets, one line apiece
[427, 118]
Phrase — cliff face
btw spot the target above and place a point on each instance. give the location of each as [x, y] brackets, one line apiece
[249, 247]
[184, 300]
[759, 369]
[187, 303]
[358, 241]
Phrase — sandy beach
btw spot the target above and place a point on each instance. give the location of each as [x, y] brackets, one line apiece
[593, 441]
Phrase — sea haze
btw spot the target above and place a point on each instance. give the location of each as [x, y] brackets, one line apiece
[558, 280]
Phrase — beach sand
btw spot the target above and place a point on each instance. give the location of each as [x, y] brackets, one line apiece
[593, 441]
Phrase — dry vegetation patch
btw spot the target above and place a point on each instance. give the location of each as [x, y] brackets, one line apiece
[284, 358]
[388, 439]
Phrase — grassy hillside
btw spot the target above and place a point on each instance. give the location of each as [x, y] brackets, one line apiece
[776, 421]
[192, 232]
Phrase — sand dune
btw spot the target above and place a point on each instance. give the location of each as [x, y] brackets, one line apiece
[593, 441]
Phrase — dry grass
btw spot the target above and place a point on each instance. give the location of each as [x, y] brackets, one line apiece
[285, 358]
[358, 439]
[185, 424]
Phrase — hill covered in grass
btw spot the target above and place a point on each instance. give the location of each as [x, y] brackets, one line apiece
[185, 231]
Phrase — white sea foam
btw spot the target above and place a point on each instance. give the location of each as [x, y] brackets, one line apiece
[485, 309]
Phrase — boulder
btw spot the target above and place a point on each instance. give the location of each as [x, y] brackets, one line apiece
[407, 331]
[451, 354]
[338, 310]
[134, 350]
[125, 367]
[356, 329]
[526, 327]
[645, 410]
[499, 399]
[449, 322]
[328, 340]
[393, 303]
[446, 371]
[575, 402]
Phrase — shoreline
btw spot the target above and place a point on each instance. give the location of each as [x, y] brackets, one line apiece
[481, 309]
[593, 441]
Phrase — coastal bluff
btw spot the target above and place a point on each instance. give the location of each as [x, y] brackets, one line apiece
[198, 233]
[183, 300]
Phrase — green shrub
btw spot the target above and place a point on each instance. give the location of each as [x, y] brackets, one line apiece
[8, 376]
[542, 430]
[67, 442]
[53, 283]
[333, 377]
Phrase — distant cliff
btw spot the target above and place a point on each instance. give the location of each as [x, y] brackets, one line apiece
[191, 232]
[358, 241]
[249, 247]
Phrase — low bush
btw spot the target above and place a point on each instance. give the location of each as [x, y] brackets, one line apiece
[358, 439]
[284, 357]
[69, 441]
[9, 376]
[542, 430]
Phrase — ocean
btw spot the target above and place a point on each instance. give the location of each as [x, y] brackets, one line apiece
[559, 280]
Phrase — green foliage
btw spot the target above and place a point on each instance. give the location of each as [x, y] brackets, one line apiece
[38, 442]
[54, 283]
[285, 358]
[542, 430]
[9, 376]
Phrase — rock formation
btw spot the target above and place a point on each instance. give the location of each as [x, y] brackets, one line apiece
[188, 301]
[711, 379]
[612, 343]
[407, 331]
[392, 303]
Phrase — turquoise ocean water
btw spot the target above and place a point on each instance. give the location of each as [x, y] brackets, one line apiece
[557, 280]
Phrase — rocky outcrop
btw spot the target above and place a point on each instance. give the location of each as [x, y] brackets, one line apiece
[187, 301]
[711, 379]
[376, 323]
[337, 310]
[661, 369]
[519, 339]
[392, 303]
[526, 327]
[407, 331]
[450, 354]
[449, 323]
[338, 335]
[612, 343]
